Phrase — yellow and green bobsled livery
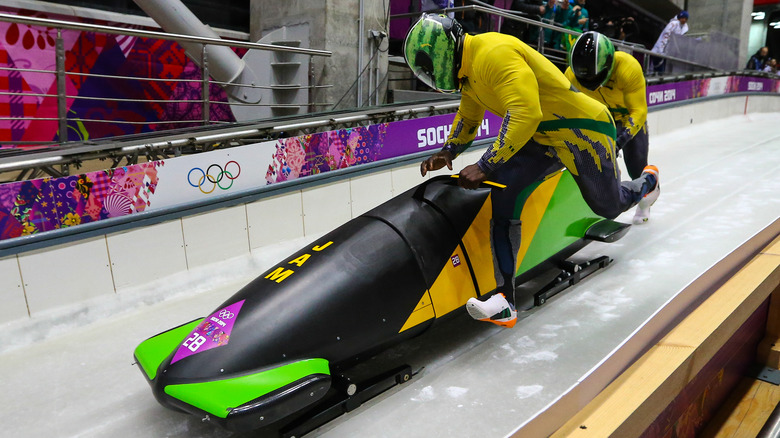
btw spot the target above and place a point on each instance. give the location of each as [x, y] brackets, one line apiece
[283, 343]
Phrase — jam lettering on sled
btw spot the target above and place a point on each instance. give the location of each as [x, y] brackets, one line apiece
[280, 273]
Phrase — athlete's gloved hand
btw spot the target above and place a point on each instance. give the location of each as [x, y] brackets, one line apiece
[436, 162]
[471, 177]
[623, 137]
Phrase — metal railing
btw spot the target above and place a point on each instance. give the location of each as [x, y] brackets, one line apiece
[31, 164]
[202, 138]
[631, 48]
[61, 74]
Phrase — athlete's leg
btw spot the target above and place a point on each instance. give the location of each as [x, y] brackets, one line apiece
[530, 165]
[635, 153]
[590, 156]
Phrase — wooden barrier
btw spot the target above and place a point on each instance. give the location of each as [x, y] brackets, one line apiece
[630, 403]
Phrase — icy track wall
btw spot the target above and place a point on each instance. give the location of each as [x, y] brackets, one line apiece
[37, 281]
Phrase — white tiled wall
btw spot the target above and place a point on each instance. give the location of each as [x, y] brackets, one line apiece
[11, 291]
[65, 274]
[275, 219]
[146, 254]
[368, 191]
[326, 207]
[215, 236]
[406, 177]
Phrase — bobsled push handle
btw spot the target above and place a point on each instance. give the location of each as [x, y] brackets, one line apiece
[486, 184]
[452, 180]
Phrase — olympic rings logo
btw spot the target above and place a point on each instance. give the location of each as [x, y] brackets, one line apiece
[216, 178]
[226, 314]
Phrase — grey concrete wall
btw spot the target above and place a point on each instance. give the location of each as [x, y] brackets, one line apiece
[731, 17]
[334, 26]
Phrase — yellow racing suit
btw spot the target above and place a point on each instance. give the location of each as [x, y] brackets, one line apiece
[624, 94]
[546, 122]
[503, 75]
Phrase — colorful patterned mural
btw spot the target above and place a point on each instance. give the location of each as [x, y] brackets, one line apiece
[31, 207]
[32, 47]
[312, 154]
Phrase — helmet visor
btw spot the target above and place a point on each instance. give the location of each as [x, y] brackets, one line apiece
[590, 79]
[586, 65]
[423, 69]
[592, 59]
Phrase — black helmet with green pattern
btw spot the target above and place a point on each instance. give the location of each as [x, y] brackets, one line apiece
[432, 50]
[592, 59]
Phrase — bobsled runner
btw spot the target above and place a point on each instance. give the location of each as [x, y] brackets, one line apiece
[279, 352]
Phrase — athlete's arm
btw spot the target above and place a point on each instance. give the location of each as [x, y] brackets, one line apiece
[635, 98]
[465, 126]
[462, 134]
[518, 91]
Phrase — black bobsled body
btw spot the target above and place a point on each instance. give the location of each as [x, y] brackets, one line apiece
[273, 348]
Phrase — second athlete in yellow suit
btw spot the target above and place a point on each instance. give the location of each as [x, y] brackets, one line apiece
[618, 83]
[546, 122]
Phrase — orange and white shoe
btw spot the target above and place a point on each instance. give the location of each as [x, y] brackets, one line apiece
[496, 309]
[642, 213]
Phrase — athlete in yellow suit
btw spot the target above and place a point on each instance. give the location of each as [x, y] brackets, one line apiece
[545, 120]
[624, 93]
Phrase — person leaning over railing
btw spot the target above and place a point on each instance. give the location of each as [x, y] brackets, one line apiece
[677, 25]
[758, 60]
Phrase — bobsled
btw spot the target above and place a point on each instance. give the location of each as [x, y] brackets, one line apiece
[281, 348]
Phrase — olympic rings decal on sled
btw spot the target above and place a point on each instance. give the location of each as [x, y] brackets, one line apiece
[215, 180]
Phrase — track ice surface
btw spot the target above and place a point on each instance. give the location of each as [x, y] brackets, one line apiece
[71, 375]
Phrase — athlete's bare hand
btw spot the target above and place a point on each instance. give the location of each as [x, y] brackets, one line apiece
[436, 162]
[471, 177]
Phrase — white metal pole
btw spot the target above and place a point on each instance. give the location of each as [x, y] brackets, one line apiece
[361, 40]
[174, 17]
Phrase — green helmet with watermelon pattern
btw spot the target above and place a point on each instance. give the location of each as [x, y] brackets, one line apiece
[431, 50]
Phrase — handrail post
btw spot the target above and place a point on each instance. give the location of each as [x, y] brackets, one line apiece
[62, 104]
[205, 84]
[646, 62]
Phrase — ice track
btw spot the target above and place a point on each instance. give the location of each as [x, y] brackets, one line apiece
[75, 378]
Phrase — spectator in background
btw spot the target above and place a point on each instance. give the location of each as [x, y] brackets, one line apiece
[563, 17]
[472, 21]
[677, 25]
[579, 19]
[758, 60]
[532, 9]
[432, 5]
[549, 18]
[619, 28]
[628, 28]
[771, 66]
